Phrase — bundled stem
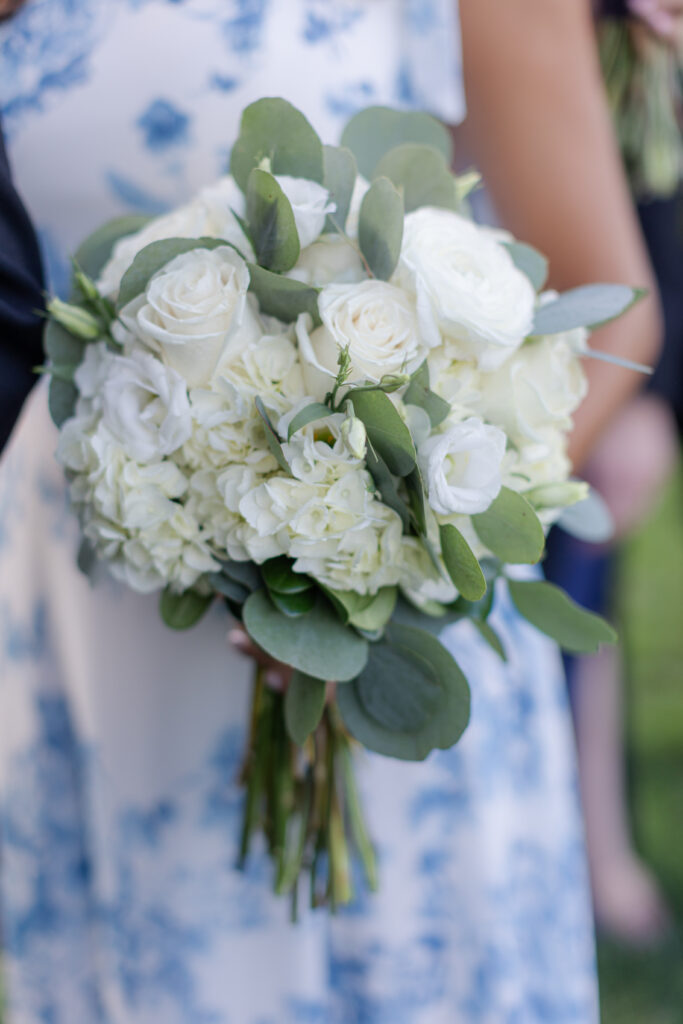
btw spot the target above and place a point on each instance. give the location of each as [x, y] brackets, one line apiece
[305, 802]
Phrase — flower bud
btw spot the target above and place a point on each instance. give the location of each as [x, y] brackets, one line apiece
[558, 495]
[86, 285]
[393, 382]
[75, 320]
[354, 436]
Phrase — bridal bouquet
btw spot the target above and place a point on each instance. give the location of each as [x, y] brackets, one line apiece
[322, 394]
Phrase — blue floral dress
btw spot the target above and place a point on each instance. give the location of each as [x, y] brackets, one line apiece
[120, 742]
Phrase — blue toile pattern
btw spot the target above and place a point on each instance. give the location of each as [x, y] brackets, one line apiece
[121, 742]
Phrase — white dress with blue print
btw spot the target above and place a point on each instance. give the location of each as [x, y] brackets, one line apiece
[120, 741]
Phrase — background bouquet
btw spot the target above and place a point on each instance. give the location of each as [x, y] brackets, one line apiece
[320, 391]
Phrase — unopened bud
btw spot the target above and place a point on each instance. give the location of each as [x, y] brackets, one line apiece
[354, 436]
[86, 286]
[393, 381]
[559, 495]
[75, 320]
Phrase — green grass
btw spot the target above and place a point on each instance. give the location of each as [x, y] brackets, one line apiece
[647, 988]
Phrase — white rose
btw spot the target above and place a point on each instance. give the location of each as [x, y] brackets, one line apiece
[310, 206]
[330, 258]
[145, 406]
[462, 467]
[535, 393]
[378, 323]
[466, 285]
[195, 312]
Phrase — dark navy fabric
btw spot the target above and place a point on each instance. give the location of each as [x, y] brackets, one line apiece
[21, 283]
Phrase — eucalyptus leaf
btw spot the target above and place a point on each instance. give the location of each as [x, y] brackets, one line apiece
[181, 611]
[380, 228]
[340, 177]
[590, 520]
[553, 612]
[387, 433]
[153, 258]
[368, 612]
[86, 560]
[462, 565]
[278, 575]
[62, 398]
[229, 588]
[588, 306]
[317, 643]
[273, 129]
[61, 347]
[375, 130]
[309, 414]
[386, 485]
[416, 496]
[294, 605]
[271, 221]
[304, 706]
[434, 618]
[93, 253]
[419, 393]
[410, 699]
[530, 261]
[245, 573]
[489, 635]
[272, 439]
[283, 297]
[421, 175]
[511, 529]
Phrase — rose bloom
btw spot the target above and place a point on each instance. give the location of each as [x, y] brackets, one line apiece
[195, 312]
[466, 286]
[377, 321]
[462, 467]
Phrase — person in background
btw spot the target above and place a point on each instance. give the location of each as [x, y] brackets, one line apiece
[21, 298]
[641, 62]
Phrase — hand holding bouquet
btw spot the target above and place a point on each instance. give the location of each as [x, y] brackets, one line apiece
[323, 394]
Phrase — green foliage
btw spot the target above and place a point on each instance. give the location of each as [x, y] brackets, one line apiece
[340, 177]
[554, 613]
[374, 131]
[380, 228]
[272, 227]
[386, 485]
[278, 575]
[410, 699]
[489, 635]
[283, 297]
[94, 252]
[154, 258]
[272, 438]
[387, 433]
[181, 611]
[316, 643]
[62, 398]
[421, 175]
[61, 347]
[588, 306]
[590, 520]
[418, 393]
[463, 567]
[530, 261]
[304, 705]
[309, 414]
[416, 497]
[511, 529]
[481, 609]
[274, 130]
[368, 612]
[294, 605]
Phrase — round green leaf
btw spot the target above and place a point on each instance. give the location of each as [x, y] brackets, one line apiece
[375, 130]
[463, 567]
[530, 261]
[421, 174]
[278, 575]
[340, 178]
[94, 252]
[293, 605]
[62, 398]
[283, 297]
[309, 414]
[419, 393]
[387, 433]
[380, 227]
[588, 306]
[317, 643]
[304, 706]
[273, 129]
[271, 223]
[153, 258]
[181, 611]
[511, 529]
[410, 699]
[61, 347]
[553, 612]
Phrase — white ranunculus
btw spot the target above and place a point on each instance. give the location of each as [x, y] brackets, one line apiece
[462, 467]
[534, 395]
[310, 206]
[195, 312]
[378, 323]
[466, 285]
[145, 406]
[330, 258]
